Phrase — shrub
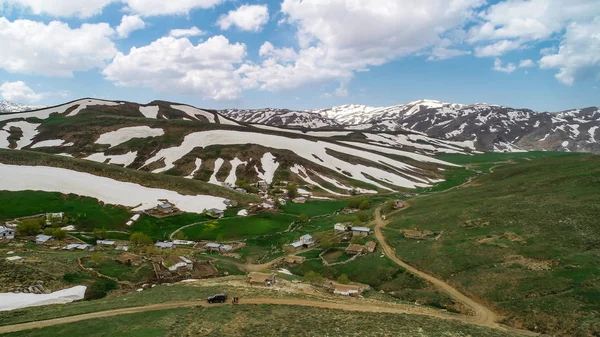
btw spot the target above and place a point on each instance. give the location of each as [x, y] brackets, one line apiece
[99, 289]
[343, 279]
[141, 239]
[59, 234]
[29, 227]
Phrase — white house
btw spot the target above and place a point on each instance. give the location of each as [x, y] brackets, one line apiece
[174, 263]
[282, 202]
[7, 233]
[184, 242]
[217, 247]
[164, 245]
[340, 227]
[305, 240]
[54, 217]
[243, 213]
[361, 231]
[105, 243]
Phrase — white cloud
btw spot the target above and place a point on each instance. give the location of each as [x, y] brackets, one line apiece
[130, 23]
[526, 63]
[339, 37]
[88, 8]
[267, 50]
[579, 54]
[18, 92]
[194, 31]
[176, 65]
[497, 49]
[53, 49]
[60, 8]
[498, 66]
[443, 53]
[247, 18]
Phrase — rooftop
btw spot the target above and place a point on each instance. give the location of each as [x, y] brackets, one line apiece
[361, 229]
[261, 277]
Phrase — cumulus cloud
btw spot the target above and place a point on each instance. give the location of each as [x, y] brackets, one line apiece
[526, 63]
[60, 8]
[497, 49]
[88, 8]
[578, 56]
[18, 92]
[176, 65]
[247, 17]
[498, 66]
[53, 49]
[130, 23]
[339, 37]
[194, 31]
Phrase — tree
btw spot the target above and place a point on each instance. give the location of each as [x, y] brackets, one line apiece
[59, 234]
[29, 227]
[288, 249]
[100, 288]
[140, 239]
[363, 216]
[343, 279]
[389, 206]
[355, 203]
[302, 217]
[365, 204]
[326, 239]
[292, 191]
[313, 277]
[96, 259]
[180, 236]
[277, 203]
[100, 233]
[48, 231]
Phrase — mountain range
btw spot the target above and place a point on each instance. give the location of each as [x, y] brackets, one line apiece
[490, 127]
[6, 106]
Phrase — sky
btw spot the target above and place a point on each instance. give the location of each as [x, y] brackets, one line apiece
[302, 54]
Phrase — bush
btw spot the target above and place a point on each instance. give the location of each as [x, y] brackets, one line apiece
[313, 277]
[302, 217]
[59, 234]
[358, 203]
[29, 227]
[292, 191]
[75, 277]
[48, 231]
[99, 289]
[141, 239]
[343, 279]
[365, 204]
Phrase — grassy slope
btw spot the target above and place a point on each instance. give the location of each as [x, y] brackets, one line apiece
[553, 204]
[184, 186]
[239, 228]
[262, 320]
[87, 212]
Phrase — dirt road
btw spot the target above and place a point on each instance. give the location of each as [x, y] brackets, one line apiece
[348, 305]
[482, 314]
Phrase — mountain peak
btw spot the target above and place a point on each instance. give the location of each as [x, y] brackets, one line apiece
[6, 107]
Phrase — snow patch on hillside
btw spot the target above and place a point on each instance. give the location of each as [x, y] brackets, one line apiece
[269, 166]
[213, 178]
[83, 104]
[300, 171]
[48, 143]
[192, 112]
[198, 163]
[124, 159]
[232, 177]
[110, 191]
[123, 135]
[29, 132]
[150, 111]
[592, 132]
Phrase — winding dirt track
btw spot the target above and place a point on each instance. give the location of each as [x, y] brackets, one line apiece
[349, 305]
[482, 315]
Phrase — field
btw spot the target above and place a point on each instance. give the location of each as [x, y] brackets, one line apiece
[239, 228]
[160, 229]
[122, 272]
[314, 208]
[262, 320]
[87, 212]
[525, 239]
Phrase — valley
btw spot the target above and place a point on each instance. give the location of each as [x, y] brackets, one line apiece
[422, 229]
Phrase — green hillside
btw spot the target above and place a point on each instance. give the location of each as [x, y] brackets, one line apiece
[525, 239]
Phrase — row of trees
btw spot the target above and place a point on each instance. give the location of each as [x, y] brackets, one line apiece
[359, 203]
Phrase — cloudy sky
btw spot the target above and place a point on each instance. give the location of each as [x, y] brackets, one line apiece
[301, 54]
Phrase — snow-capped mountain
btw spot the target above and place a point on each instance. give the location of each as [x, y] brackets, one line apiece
[490, 127]
[6, 106]
[280, 117]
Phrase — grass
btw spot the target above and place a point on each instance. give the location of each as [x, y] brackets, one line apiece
[240, 228]
[160, 229]
[88, 212]
[314, 208]
[262, 320]
[122, 272]
[524, 238]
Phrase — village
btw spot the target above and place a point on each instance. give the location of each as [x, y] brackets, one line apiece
[153, 262]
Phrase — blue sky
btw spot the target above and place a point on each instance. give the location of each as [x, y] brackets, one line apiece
[303, 54]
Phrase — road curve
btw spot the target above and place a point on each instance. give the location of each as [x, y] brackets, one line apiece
[350, 305]
[482, 315]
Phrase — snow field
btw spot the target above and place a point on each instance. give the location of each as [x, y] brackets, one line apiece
[300, 171]
[110, 191]
[306, 149]
[592, 132]
[123, 135]
[150, 111]
[50, 143]
[85, 103]
[11, 301]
